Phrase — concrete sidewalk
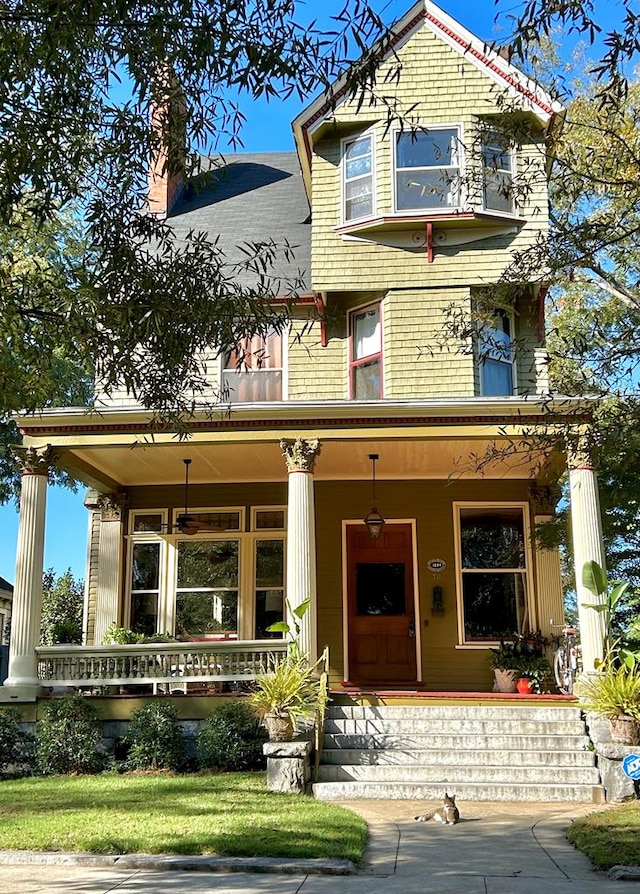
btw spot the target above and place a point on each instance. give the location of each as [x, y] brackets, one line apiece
[495, 849]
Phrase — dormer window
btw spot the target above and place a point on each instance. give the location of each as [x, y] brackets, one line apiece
[427, 165]
[498, 163]
[358, 178]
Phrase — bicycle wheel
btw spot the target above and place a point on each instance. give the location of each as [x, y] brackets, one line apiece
[563, 672]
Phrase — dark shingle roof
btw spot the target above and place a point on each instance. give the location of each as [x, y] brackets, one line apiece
[5, 585]
[252, 197]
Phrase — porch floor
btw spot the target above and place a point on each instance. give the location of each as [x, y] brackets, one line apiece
[348, 692]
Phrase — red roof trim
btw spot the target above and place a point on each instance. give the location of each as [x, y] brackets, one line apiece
[466, 46]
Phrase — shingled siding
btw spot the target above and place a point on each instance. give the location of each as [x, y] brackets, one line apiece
[451, 90]
[91, 586]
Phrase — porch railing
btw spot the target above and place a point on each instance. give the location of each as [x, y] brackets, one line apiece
[158, 664]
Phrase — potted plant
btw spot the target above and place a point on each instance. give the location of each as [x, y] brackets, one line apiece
[504, 660]
[614, 692]
[287, 692]
[531, 671]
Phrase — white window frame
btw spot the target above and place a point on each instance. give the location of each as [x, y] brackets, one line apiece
[344, 143]
[496, 144]
[284, 335]
[527, 571]
[168, 541]
[460, 168]
[487, 351]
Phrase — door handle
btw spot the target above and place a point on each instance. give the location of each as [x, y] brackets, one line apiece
[412, 629]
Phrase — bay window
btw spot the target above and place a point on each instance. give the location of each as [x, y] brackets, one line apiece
[493, 578]
[498, 166]
[427, 166]
[365, 362]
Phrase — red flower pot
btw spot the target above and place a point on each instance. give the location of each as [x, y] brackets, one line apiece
[523, 685]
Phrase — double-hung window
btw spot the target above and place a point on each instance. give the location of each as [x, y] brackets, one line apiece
[365, 365]
[427, 166]
[496, 357]
[252, 373]
[358, 178]
[493, 574]
[498, 166]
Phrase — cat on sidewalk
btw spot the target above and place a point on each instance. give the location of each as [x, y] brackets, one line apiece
[447, 814]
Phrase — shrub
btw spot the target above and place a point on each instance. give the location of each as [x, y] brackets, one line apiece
[155, 738]
[10, 736]
[231, 738]
[67, 738]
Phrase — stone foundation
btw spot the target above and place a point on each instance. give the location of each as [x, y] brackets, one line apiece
[610, 754]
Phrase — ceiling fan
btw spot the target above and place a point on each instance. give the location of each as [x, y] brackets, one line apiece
[186, 523]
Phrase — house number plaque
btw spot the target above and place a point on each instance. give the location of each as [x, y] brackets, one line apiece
[436, 565]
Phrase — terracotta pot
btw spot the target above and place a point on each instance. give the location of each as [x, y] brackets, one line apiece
[523, 685]
[505, 680]
[279, 727]
[624, 729]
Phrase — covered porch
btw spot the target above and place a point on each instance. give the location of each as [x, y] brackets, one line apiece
[298, 478]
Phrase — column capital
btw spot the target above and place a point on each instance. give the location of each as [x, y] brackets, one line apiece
[36, 460]
[111, 506]
[580, 452]
[544, 498]
[300, 454]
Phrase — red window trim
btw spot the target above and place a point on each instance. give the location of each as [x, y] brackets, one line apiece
[361, 361]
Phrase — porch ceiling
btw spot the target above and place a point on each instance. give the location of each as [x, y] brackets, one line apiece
[112, 467]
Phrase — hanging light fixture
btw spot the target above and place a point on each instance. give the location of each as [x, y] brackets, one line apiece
[374, 521]
[186, 523]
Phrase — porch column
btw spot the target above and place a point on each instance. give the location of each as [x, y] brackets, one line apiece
[300, 456]
[550, 602]
[587, 547]
[22, 682]
[109, 563]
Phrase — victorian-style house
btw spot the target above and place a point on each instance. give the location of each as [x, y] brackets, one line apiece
[372, 460]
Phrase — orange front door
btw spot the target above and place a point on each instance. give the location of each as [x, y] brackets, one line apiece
[382, 644]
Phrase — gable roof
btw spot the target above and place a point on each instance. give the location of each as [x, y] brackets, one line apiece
[251, 197]
[425, 14]
[5, 586]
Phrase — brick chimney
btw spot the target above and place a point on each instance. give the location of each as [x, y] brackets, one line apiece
[168, 145]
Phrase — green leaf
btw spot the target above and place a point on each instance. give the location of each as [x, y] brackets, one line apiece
[594, 578]
[300, 610]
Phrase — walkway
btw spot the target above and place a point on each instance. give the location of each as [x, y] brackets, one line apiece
[501, 849]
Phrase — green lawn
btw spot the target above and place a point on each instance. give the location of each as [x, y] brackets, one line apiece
[611, 837]
[227, 814]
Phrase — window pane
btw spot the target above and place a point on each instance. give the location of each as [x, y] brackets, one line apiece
[269, 610]
[209, 564]
[498, 193]
[358, 179]
[145, 566]
[144, 523]
[494, 605]
[204, 614]
[144, 613]
[431, 188]
[380, 588]
[361, 206]
[253, 385]
[492, 540]
[253, 372]
[358, 148]
[269, 563]
[497, 378]
[432, 148]
[216, 521]
[366, 333]
[366, 381]
[273, 519]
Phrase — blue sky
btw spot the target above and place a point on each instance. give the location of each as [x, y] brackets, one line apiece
[267, 129]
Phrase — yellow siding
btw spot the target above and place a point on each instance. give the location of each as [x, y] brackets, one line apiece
[448, 90]
[430, 504]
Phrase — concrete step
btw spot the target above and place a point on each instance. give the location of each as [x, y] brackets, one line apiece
[466, 711]
[451, 726]
[451, 742]
[422, 774]
[471, 757]
[464, 791]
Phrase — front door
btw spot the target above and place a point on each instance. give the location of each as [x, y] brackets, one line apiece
[382, 644]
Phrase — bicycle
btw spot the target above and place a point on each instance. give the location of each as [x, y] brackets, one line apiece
[567, 661]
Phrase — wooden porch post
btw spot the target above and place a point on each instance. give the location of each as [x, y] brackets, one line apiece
[22, 683]
[587, 546]
[550, 603]
[300, 456]
[109, 564]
